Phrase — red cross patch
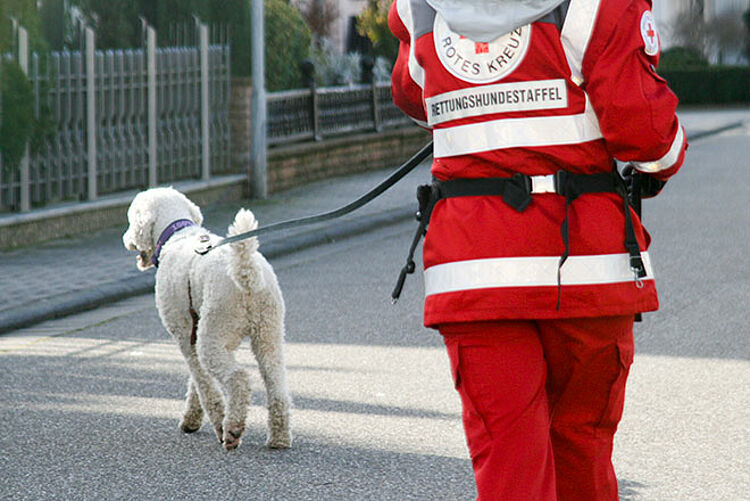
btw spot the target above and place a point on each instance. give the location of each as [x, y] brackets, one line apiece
[649, 33]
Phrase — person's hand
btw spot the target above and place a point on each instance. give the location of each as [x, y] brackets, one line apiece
[648, 185]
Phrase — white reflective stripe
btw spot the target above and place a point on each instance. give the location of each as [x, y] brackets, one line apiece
[667, 160]
[576, 33]
[543, 184]
[517, 133]
[403, 7]
[497, 98]
[531, 272]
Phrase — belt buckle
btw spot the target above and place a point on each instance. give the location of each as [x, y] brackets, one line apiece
[544, 184]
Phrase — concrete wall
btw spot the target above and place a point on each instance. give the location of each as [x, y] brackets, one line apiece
[294, 165]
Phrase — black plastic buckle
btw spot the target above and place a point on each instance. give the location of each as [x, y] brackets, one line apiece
[517, 192]
[560, 178]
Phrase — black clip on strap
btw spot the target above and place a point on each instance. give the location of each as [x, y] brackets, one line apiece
[517, 192]
[426, 196]
[631, 196]
[564, 186]
[631, 244]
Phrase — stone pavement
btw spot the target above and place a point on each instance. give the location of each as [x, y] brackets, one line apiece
[69, 275]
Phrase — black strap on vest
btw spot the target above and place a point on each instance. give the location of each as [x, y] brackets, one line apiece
[516, 192]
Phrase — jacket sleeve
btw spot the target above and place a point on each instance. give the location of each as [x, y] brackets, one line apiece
[635, 107]
[407, 77]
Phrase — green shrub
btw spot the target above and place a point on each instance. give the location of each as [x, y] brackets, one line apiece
[118, 26]
[18, 113]
[116, 23]
[677, 58]
[27, 15]
[287, 43]
[373, 23]
[18, 127]
[710, 85]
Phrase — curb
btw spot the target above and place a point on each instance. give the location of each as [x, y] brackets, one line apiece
[79, 301]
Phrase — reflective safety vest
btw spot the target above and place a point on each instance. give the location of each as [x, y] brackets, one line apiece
[545, 97]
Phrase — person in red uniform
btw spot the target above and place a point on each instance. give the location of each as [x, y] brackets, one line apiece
[535, 265]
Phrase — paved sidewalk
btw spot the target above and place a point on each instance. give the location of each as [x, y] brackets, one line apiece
[69, 275]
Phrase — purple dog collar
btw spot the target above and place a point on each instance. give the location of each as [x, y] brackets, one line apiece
[166, 234]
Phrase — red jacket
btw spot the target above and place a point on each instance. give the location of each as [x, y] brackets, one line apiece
[534, 101]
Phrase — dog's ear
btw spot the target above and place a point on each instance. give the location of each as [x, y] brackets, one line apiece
[139, 235]
[143, 226]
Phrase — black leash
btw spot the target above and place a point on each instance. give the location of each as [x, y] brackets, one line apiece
[402, 171]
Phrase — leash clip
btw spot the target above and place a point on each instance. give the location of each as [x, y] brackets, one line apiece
[639, 271]
[203, 250]
[637, 279]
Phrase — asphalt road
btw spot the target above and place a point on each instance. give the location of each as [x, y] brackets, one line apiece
[89, 404]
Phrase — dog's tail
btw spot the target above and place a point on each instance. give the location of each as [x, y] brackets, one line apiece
[244, 265]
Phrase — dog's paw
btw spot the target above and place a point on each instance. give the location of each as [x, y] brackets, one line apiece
[233, 436]
[280, 441]
[189, 427]
[191, 421]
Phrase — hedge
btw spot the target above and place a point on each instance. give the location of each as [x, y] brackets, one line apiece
[287, 43]
[710, 85]
[17, 122]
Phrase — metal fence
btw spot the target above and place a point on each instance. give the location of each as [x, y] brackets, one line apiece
[316, 113]
[123, 119]
[129, 119]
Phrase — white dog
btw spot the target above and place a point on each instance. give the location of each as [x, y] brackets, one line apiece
[209, 304]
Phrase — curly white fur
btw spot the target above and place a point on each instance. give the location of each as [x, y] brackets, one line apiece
[235, 293]
[245, 277]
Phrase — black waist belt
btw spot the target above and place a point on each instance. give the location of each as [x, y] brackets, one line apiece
[516, 192]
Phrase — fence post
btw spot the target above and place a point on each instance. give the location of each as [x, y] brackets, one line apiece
[308, 80]
[91, 125]
[23, 62]
[152, 111]
[368, 76]
[205, 131]
[259, 173]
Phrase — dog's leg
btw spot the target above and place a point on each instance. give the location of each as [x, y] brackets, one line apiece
[219, 361]
[269, 351]
[208, 394]
[193, 416]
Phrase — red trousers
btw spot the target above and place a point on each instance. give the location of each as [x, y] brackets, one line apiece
[541, 403]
